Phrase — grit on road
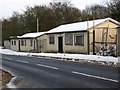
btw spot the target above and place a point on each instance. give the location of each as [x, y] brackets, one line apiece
[47, 73]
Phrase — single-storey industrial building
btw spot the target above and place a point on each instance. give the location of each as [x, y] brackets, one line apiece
[81, 37]
[84, 37]
[30, 42]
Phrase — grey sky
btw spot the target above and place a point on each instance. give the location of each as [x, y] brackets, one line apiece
[7, 7]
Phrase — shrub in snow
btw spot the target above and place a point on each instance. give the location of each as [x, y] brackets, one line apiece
[108, 50]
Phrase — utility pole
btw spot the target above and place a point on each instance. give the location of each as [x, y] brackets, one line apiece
[88, 36]
[37, 25]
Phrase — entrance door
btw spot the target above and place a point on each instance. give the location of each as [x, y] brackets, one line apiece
[60, 44]
[34, 45]
[19, 45]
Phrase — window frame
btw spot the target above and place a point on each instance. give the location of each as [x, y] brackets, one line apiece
[68, 39]
[79, 43]
[31, 42]
[22, 42]
[25, 42]
[14, 42]
[51, 39]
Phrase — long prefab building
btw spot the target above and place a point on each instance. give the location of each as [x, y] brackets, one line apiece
[95, 36]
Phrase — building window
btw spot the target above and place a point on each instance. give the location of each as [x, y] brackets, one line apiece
[40, 42]
[23, 42]
[69, 39]
[14, 42]
[51, 39]
[31, 42]
[79, 39]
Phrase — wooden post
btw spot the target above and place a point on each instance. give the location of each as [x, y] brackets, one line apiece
[0, 32]
[94, 36]
[118, 41]
[93, 42]
[88, 37]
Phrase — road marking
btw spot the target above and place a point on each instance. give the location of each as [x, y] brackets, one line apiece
[47, 66]
[9, 59]
[22, 61]
[95, 76]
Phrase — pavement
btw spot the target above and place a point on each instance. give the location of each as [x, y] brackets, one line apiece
[49, 73]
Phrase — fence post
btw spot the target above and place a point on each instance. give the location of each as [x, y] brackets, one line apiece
[94, 42]
[0, 33]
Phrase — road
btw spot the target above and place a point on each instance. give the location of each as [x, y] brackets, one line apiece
[47, 73]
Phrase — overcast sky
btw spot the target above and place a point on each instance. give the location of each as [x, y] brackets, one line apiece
[7, 7]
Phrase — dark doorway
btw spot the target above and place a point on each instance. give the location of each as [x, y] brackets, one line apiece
[60, 44]
[34, 45]
[19, 45]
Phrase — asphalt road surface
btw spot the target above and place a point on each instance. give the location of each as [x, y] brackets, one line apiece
[47, 73]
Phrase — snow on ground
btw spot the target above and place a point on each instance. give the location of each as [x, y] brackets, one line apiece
[10, 52]
[58, 55]
[1, 47]
[79, 56]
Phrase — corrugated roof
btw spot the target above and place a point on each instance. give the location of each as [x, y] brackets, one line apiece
[80, 26]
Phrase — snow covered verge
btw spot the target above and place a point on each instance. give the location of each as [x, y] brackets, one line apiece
[94, 59]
